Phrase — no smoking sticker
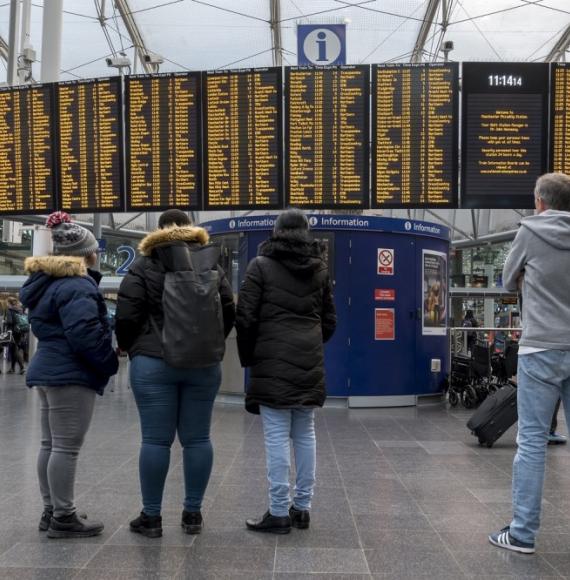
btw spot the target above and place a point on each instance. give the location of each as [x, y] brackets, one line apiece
[385, 262]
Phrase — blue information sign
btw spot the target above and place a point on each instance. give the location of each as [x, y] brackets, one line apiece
[321, 44]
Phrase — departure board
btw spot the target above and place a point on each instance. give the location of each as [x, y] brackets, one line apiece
[327, 135]
[27, 182]
[560, 117]
[242, 135]
[163, 142]
[504, 142]
[90, 153]
[415, 135]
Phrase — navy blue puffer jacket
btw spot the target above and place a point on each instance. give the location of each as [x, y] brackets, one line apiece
[68, 316]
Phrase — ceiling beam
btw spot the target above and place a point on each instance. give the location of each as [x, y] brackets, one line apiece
[558, 51]
[136, 36]
[425, 28]
[3, 49]
[275, 24]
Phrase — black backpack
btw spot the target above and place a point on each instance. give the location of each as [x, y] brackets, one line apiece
[193, 330]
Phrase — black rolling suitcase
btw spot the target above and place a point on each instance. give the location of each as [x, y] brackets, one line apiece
[495, 415]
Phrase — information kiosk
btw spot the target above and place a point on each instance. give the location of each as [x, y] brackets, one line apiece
[390, 280]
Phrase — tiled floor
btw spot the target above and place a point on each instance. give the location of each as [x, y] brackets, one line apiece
[402, 493]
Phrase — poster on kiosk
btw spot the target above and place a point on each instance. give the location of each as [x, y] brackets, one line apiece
[434, 276]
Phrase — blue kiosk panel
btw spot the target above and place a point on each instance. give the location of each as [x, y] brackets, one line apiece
[390, 286]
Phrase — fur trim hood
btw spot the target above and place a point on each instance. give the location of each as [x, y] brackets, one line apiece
[56, 266]
[189, 234]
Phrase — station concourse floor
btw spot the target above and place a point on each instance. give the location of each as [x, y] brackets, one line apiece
[402, 494]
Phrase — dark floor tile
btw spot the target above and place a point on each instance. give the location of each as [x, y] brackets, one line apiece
[320, 538]
[426, 540]
[393, 520]
[560, 562]
[106, 574]
[149, 558]
[409, 562]
[503, 562]
[326, 576]
[49, 555]
[252, 559]
[235, 537]
[201, 574]
[172, 536]
[320, 560]
[38, 573]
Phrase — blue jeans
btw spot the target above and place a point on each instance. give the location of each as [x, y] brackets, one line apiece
[543, 378]
[279, 427]
[170, 401]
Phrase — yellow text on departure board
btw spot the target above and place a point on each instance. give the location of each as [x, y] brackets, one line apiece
[243, 138]
[26, 151]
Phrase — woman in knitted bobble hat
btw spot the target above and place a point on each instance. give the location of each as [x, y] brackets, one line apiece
[73, 362]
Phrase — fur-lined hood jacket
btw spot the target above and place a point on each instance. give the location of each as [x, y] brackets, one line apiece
[140, 294]
[69, 317]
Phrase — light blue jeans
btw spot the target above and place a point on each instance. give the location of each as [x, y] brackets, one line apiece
[280, 426]
[543, 377]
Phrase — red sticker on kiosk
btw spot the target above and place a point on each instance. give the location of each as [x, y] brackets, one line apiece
[384, 324]
[386, 294]
[385, 262]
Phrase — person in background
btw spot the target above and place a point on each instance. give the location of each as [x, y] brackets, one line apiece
[555, 438]
[540, 258]
[170, 400]
[470, 322]
[17, 322]
[285, 313]
[73, 363]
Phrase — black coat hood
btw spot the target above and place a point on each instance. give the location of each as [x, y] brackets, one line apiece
[302, 257]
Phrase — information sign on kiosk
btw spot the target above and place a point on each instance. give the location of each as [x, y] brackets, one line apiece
[415, 129]
[504, 142]
[90, 152]
[27, 173]
[163, 142]
[327, 137]
[243, 139]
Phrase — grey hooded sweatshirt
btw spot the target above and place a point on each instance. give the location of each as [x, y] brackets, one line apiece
[541, 253]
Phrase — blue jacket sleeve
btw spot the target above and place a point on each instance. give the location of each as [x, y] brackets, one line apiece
[88, 336]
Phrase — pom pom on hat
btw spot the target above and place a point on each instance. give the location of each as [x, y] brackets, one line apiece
[57, 218]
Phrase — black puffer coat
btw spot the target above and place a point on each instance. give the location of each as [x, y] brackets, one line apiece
[140, 293]
[285, 312]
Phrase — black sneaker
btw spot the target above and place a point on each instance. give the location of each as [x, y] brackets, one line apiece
[45, 520]
[299, 518]
[73, 527]
[149, 526]
[270, 524]
[503, 539]
[192, 522]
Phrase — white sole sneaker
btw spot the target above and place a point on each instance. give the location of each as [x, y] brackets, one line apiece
[512, 547]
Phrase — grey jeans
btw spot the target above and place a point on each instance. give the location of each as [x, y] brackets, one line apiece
[66, 414]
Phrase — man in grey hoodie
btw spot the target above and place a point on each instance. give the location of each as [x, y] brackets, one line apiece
[539, 264]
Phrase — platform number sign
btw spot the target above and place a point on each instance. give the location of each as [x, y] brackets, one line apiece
[385, 262]
[130, 255]
[321, 44]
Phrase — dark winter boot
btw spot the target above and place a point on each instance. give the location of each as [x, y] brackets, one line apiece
[149, 526]
[192, 522]
[73, 526]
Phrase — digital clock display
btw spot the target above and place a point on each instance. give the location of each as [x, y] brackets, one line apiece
[505, 81]
[504, 137]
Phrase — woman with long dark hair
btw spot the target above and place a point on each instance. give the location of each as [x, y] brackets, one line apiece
[285, 313]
